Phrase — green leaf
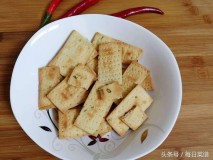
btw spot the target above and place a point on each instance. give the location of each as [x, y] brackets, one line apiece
[144, 135]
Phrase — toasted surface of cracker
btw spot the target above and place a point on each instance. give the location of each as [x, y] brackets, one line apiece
[138, 96]
[134, 117]
[49, 77]
[110, 63]
[77, 49]
[65, 96]
[82, 76]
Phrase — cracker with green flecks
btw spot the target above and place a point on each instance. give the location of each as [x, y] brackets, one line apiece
[82, 76]
[113, 91]
[94, 110]
[138, 96]
[97, 74]
[77, 49]
[49, 77]
[65, 96]
[134, 117]
[109, 63]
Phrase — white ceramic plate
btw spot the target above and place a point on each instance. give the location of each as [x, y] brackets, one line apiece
[45, 43]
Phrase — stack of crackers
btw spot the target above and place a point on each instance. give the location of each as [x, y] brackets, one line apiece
[85, 78]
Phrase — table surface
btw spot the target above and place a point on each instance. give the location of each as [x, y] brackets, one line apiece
[187, 28]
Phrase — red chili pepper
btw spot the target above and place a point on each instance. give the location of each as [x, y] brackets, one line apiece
[52, 7]
[80, 7]
[137, 10]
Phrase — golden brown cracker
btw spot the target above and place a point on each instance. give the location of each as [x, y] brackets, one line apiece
[65, 96]
[82, 76]
[109, 63]
[66, 127]
[133, 75]
[49, 77]
[77, 49]
[138, 96]
[93, 111]
[134, 117]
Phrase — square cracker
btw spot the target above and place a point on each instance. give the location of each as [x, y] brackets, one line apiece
[65, 96]
[137, 96]
[129, 52]
[49, 77]
[93, 111]
[133, 75]
[147, 83]
[82, 76]
[77, 49]
[134, 117]
[109, 63]
[67, 129]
